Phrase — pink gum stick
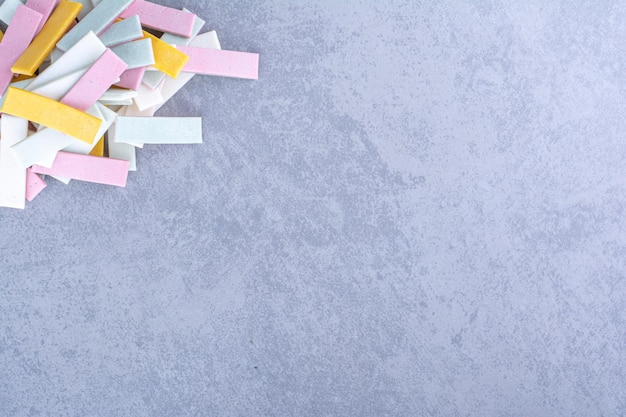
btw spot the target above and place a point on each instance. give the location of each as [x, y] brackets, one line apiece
[223, 63]
[34, 185]
[131, 78]
[162, 18]
[102, 74]
[20, 33]
[87, 168]
[45, 7]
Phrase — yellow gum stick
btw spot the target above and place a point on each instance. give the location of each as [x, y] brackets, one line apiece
[51, 113]
[60, 20]
[98, 150]
[168, 59]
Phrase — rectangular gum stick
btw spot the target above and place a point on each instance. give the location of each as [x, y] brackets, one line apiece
[51, 113]
[95, 21]
[34, 185]
[222, 63]
[136, 53]
[40, 148]
[167, 58]
[158, 130]
[18, 36]
[121, 32]
[172, 86]
[161, 18]
[80, 57]
[12, 174]
[88, 168]
[43, 44]
[183, 40]
[45, 7]
[102, 74]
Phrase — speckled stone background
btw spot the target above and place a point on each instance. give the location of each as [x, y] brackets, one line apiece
[418, 210]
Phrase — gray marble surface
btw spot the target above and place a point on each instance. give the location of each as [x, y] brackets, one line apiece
[418, 210]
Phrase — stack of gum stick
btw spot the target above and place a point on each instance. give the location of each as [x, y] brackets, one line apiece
[81, 77]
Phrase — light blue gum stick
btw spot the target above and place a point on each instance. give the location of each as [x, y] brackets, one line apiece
[136, 54]
[158, 130]
[121, 32]
[95, 21]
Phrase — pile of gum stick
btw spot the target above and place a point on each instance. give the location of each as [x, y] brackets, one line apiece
[80, 82]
